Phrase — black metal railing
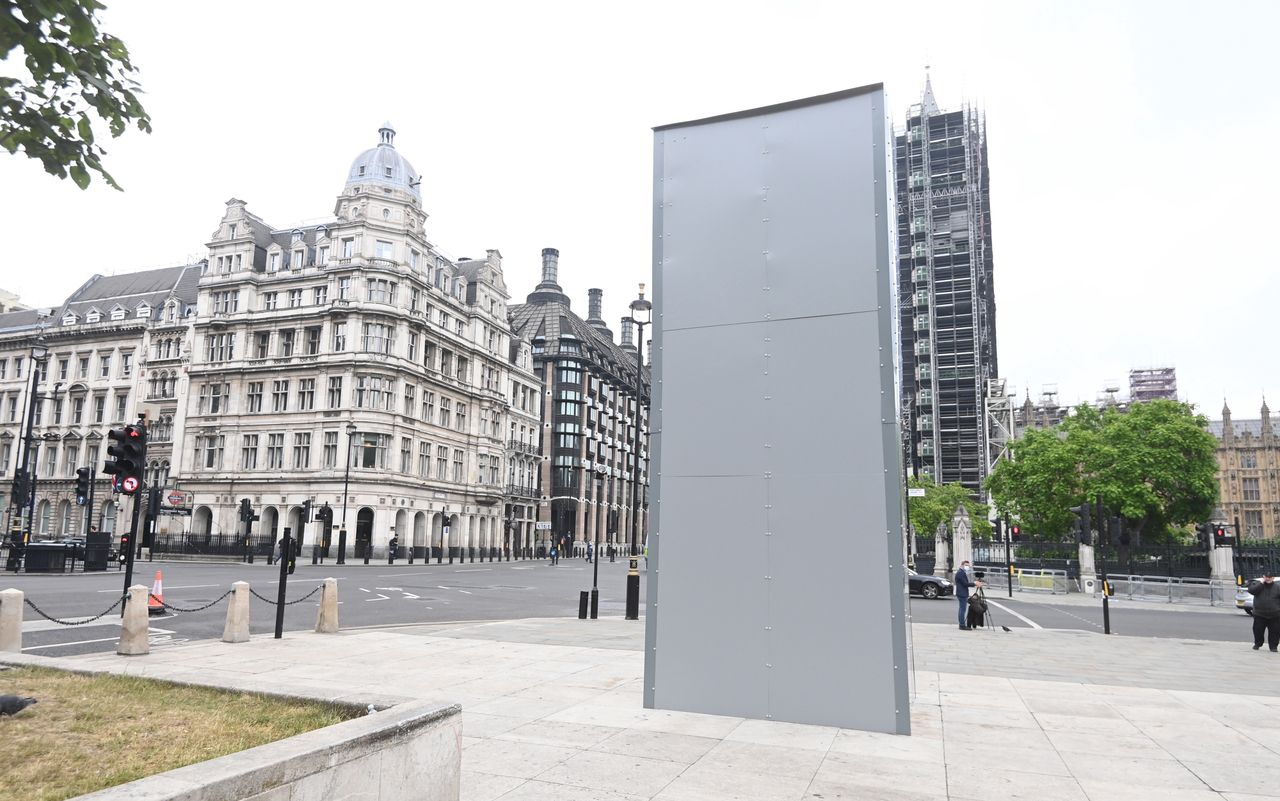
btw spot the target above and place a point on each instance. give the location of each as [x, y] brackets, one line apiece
[210, 545]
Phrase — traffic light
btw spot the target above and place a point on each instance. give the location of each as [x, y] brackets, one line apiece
[19, 493]
[997, 526]
[1221, 537]
[246, 510]
[325, 515]
[83, 476]
[306, 516]
[1015, 532]
[1084, 527]
[129, 449]
[124, 547]
[1204, 534]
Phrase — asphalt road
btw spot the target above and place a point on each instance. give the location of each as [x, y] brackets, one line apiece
[380, 595]
[377, 594]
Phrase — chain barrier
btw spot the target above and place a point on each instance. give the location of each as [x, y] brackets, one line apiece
[170, 606]
[287, 603]
[106, 612]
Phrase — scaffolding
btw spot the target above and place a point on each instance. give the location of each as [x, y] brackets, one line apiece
[1155, 383]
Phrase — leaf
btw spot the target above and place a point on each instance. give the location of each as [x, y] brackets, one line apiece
[79, 175]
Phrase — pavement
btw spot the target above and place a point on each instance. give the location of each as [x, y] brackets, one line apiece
[552, 710]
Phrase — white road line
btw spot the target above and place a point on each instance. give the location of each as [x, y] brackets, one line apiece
[65, 644]
[380, 597]
[473, 570]
[362, 589]
[465, 592]
[1023, 618]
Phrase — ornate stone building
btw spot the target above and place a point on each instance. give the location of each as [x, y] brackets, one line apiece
[101, 371]
[1248, 461]
[352, 363]
[589, 425]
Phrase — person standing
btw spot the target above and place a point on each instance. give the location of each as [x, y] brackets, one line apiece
[1266, 612]
[964, 583]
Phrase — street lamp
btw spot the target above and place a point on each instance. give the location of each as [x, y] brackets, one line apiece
[639, 307]
[599, 513]
[39, 355]
[346, 483]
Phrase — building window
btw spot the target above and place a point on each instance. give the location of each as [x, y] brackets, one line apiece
[424, 459]
[297, 261]
[219, 347]
[320, 295]
[374, 392]
[446, 407]
[226, 302]
[275, 451]
[295, 298]
[306, 394]
[442, 462]
[77, 413]
[249, 452]
[209, 451]
[344, 288]
[1248, 458]
[273, 262]
[261, 344]
[383, 249]
[377, 338]
[373, 451]
[1253, 524]
[84, 367]
[410, 399]
[428, 406]
[413, 347]
[255, 396]
[1250, 488]
[213, 398]
[99, 408]
[302, 452]
[415, 298]
[382, 291]
[457, 466]
[331, 449]
[104, 367]
[63, 366]
[339, 337]
[348, 247]
[335, 392]
[460, 420]
[122, 404]
[406, 455]
[322, 255]
[286, 342]
[429, 355]
[280, 395]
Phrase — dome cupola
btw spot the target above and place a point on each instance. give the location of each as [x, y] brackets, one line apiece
[384, 166]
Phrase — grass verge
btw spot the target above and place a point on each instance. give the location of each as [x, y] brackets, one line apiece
[92, 732]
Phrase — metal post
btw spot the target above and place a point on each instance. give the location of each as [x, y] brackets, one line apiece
[1106, 583]
[1008, 561]
[133, 537]
[286, 551]
[28, 458]
[595, 556]
[31, 500]
[346, 484]
[635, 445]
[88, 512]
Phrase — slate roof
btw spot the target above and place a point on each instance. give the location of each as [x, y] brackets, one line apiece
[153, 287]
[1238, 427]
[552, 321]
[19, 320]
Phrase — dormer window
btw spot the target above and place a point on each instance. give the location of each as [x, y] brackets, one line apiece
[361, 172]
[117, 313]
[296, 236]
[70, 319]
[322, 233]
[387, 171]
[93, 316]
[273, 262]
[144, 311]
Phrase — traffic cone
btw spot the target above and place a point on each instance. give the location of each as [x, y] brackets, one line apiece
[155, 601]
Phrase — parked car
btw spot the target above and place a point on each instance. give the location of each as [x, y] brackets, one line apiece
[928, 586]
[1244, 600]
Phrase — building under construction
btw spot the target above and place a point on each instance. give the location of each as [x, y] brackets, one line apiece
[1158, 383]
[946, 299]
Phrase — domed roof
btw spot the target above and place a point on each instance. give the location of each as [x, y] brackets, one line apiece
[384, 166]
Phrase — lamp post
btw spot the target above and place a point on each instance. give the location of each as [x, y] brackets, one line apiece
[598, 516]
[346, 483]
[39, 356]
[639, 306]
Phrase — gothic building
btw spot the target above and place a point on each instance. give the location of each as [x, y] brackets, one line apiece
[1248, 460]
[352, 363]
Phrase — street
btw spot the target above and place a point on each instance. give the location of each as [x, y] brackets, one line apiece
[369, 595]
[401, 594]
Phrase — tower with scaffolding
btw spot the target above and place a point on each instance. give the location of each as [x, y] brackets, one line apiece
[1153, 383]
[946, 297]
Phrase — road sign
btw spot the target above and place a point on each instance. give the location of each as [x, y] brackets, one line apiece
[129, 484]
[177, 498]
[173, 512]
[915, 492]
[542, 526]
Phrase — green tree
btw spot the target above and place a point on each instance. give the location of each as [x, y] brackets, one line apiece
[939, 505]
[1153, 465]
[73, 73]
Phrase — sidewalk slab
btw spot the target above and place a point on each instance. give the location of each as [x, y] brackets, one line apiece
[552, 709]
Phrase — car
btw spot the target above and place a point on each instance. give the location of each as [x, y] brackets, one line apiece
[928, 586]
[1244, 600]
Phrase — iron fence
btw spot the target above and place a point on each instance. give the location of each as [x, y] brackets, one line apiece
[209, 545]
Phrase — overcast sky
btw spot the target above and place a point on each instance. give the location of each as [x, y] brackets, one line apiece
[1130, 144]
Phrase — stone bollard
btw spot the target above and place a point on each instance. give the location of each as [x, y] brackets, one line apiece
[327, 618]
[11, 621]
[135, 634]
[237, 626]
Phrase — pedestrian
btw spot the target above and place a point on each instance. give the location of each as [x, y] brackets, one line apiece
[964, 583]
[553, 554]
[591, 552]
[391, 549]
[1266, 611]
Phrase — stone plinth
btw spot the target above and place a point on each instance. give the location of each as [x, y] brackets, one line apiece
[327, 617]
[237, 625]
[135, 634]
[11, 602]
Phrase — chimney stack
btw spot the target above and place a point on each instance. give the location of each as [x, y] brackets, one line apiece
[627, 324]
[595, 299]
[550, 265]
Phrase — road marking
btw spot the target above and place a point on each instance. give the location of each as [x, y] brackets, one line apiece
[473, 570]
[465, 592]
[522, 568]
[362, 589]
[392, 589]
[1023, 618]
[89, 642]
[380, 597]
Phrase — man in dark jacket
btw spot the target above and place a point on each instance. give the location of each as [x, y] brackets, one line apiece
[963, 584]
[1266, 612]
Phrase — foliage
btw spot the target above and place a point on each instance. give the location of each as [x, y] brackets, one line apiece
[1153, 465]
[939, 505]
[74, 72]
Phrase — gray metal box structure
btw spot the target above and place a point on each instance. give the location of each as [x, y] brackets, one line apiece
[776, 580]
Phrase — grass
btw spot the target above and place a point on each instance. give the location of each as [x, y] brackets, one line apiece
[92, 732]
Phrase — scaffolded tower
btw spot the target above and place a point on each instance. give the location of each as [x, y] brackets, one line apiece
[1158, 383]
[946, 299]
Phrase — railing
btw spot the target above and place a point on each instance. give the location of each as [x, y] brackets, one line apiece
[518, 491]
[1054, 582]
[210, 544]
[1212, 592]
[522, 447]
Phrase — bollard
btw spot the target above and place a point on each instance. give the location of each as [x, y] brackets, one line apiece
[134, 628]
[237, 626]
[633, 590]
[582, 605]
[595, 603]
[327, 617]
[11, 602]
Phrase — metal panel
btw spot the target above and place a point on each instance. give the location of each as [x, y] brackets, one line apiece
[776, 587]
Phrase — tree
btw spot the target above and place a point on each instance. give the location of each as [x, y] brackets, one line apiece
[1153, 465]
[75, 72]
[939, 505]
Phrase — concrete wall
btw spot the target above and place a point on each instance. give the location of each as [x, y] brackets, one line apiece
[410, 752]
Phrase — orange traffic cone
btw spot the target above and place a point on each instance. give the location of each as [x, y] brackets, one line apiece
[155, 601]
